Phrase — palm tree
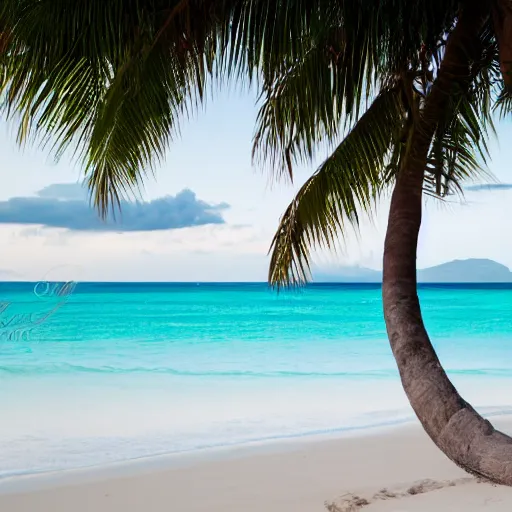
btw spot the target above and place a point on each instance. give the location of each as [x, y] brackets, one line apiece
[409, 89]
[424, 139]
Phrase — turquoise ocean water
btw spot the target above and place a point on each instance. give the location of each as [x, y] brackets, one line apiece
[123, 371]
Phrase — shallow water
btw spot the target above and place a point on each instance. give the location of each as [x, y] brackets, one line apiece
[120, 371]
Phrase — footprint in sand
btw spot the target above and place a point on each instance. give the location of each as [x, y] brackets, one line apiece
[353, 502]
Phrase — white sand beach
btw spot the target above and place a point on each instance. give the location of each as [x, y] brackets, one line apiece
[393, 470]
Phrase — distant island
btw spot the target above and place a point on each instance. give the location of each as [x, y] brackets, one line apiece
[456, 271]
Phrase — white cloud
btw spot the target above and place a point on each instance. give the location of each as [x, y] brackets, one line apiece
[236, 253]
[215, 252]
[212, 158]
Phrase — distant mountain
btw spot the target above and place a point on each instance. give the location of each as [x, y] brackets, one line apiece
[466, 271]
[457, 271]
[354, 274]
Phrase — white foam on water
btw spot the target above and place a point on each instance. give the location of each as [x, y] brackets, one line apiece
[56, 423]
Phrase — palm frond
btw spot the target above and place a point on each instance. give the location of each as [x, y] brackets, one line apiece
[113, 79]
[458, 153]
[503, 104]
[135, 121]
[74, 67]
[459, 149]
[112, 83]
[307, 102]
[329, 67]
[347, 182]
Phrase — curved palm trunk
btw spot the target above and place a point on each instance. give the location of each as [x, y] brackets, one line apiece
[456, 428]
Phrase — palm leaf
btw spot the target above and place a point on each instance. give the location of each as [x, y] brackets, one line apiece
[113, 83]
[459, 149]
[315, 88]
[113, 79]
[348, 181]
[305, 104]
[55, 43]
[135, 121]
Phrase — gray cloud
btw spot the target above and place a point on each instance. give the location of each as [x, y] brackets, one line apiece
[489, 186]
[66, 206]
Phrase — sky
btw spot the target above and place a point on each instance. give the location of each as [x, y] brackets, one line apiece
[208, 214]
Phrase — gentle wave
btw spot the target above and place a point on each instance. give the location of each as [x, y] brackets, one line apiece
[71, 368]
[204, 446]
[373, 422]
[65, 368]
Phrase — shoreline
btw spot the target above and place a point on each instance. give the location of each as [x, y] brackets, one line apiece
[36, 480]
[179, 458]
[296, 475]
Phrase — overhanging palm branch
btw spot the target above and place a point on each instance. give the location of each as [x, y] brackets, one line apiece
[306, 103]
[308, 97]
[113, 83]
[459, 149]
[136, 119]
[350, 180]
[370, 158]
[73, 67]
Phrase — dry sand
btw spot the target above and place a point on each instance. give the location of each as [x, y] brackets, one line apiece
[398, 470]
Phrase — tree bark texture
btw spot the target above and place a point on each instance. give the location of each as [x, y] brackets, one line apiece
[456, 428]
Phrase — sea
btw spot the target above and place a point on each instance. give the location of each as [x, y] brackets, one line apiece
[99, 373]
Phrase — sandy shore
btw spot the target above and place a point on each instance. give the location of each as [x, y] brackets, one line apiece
[397, 470]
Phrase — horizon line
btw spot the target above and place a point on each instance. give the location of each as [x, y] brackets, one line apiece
[252, 282]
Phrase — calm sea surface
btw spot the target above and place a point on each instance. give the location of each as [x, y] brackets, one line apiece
[120, 371]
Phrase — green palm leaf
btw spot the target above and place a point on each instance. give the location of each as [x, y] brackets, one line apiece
[304, 105]
[459, 149]
[347, 182]
[136, 119]
[114, 87]
[99, 75]
[113, 80]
